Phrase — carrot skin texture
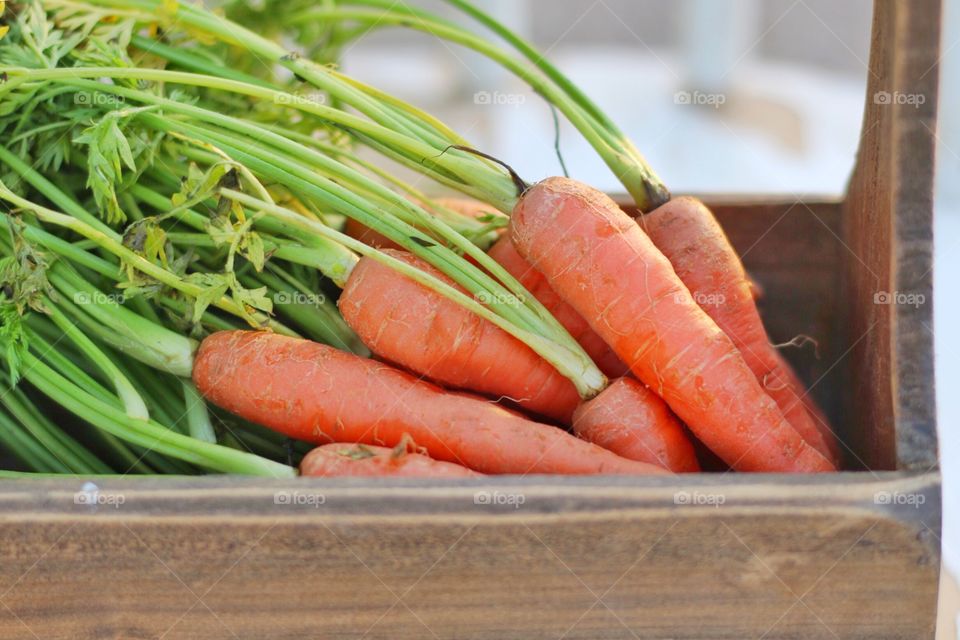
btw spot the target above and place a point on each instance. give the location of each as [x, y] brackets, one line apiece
[338, 460]
[687, 233]
[313, 392]
[406, 323]
[533, 281]
[633, 422]
[601, 262]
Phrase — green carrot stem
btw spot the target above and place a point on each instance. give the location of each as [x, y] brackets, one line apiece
[121, 328]
[581, 371]
[114, 246]
[7, 474]
[455, 168]
[616, 150]
[55, 195]
[654, 192]
[198, 419]
[23, 446]
[516, 305]
[311, 310]
[61, 446]
[146, 434]
[132, 402]
[183, 58]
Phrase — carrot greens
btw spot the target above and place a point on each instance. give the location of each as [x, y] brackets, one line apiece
[168, 171]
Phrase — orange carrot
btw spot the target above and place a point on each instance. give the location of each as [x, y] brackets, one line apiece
[341, 459]
[690, 237]
[633, 422]
[533, 281]
[313, 392]
[600, 261]
[408, 324]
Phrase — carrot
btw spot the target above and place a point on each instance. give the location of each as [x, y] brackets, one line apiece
[313, 392]
[341, 459]
[410, 325]
[533, 281]
[633, 422]
[690, 237]
[600, 261]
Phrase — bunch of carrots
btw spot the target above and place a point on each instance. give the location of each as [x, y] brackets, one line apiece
[181, 216]
[623, 288]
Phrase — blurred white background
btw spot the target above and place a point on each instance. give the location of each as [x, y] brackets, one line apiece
[780, 86]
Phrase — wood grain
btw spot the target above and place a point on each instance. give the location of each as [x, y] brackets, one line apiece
[585, 557]
[851, 555]
[889, 233]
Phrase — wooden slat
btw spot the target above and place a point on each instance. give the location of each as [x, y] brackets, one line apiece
[587, 557]
[889, 231]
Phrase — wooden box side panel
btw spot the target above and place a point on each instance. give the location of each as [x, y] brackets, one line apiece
[570, 557]
[888, 232]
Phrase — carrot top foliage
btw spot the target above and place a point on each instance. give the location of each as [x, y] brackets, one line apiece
[167, 171]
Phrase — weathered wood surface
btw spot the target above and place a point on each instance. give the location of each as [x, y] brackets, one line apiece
[851, 555]
[889, 237]
[789, 557]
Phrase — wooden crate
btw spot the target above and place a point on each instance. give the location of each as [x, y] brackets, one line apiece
[851, 555]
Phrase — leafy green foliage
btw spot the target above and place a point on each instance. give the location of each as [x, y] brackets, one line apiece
[227, 225]
[33, 41]
[23, 286]
[217, 285]
[149, 239]
[108, 150]
[23, 275]
[13, 338]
